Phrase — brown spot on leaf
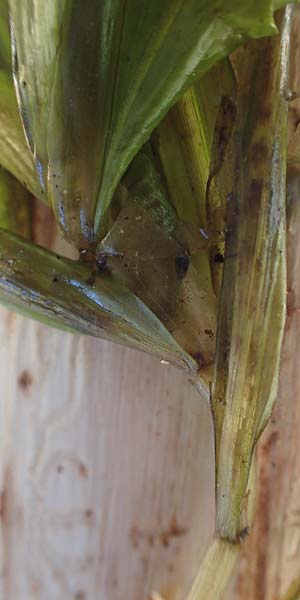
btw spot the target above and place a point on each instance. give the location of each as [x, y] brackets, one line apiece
[200, 360]
[242, 534]
[219, 258]
[222, 135]
[87, 255]
[181, 265]
[210, 333]
[91, 280]
[255, 192]
[259, 153]
[102, 264]
[265, 113]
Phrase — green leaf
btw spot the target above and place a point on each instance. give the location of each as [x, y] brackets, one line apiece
[99, 80]
[144, 183]
[67, 294]
[182, 143]
[35, 36]
[5, 50]
[15, 156]
[15, 205]
[14, 152]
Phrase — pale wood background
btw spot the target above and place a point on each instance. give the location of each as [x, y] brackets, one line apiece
[106, 470]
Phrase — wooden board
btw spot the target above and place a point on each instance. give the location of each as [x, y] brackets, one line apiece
[106, 470]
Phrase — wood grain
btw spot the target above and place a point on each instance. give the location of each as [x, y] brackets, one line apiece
[106, 470]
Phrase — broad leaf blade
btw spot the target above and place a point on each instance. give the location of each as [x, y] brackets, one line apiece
[15, 156]
[183, 146]
[35, 31]
[110, 73]
[183, 142]
[164, 48]
[64, 293]
[14, 153]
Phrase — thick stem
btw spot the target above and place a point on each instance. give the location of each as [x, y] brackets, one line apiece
[252, 304]
[215, 570]
[270, 561]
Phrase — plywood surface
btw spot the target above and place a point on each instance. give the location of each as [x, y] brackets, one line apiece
[106, 470]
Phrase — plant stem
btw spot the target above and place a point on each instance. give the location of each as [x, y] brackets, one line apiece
[215, 570]
[252, 303]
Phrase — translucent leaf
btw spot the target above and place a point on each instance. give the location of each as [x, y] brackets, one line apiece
[67, 294]
[144, 248]
[158, 270]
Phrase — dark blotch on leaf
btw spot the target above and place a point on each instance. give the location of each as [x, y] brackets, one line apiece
[92, 279]
[219, 258]
[200, 360]
[259, 152]
[182, 263]
[243, 534]
[209, 332]
[255, 192]
[102, 264]
[87, 256]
